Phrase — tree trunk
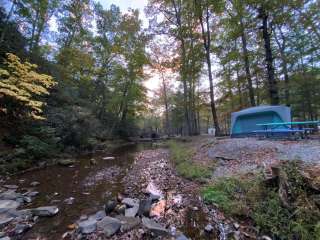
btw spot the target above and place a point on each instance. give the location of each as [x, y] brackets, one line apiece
[206, 44]
[239, 88]
[257, 92]
[272, 83]
[34, 26]
[37, 37]
[246, 63]
[166, 105]
[282, 47]
[183, 68]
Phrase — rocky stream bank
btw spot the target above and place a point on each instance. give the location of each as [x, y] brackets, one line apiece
[142, 198]
[156, 204]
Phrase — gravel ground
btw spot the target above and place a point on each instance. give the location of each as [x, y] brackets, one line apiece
[244, 155]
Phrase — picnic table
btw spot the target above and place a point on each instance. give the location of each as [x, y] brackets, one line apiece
[286, 128]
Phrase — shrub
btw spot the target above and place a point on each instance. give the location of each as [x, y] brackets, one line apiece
[262, 203]
[36, 147]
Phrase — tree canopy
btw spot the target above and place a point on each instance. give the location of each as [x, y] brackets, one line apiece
[209, 58]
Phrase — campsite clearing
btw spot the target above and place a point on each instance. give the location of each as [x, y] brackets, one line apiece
[236, 156]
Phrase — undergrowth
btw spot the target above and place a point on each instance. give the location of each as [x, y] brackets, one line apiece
[181, 156]
[262, 203]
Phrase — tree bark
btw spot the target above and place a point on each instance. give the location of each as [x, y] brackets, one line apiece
[246, 63]
[206, 43]
[166, 104]
[183, 68]
[239, 89]
[272, 83]
[282, 47]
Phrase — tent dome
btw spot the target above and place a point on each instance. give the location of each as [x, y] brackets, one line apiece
[246, 120]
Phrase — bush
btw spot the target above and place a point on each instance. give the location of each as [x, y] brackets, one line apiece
[262, 203]
[36, 147]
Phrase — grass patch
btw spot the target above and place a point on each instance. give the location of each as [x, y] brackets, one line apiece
[228, 195]
[262, 203]
[181, 156]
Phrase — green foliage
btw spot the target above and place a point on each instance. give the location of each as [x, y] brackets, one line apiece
[227, 194]
[41, 142]
[35, 147]
[181, 157]
[317, 231]
[76, 126]
[262, 203]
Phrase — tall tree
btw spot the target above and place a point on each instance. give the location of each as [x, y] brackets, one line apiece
[202, 9]
[272, 82]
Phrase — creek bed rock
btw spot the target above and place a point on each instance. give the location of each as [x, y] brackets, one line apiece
[13, 222]
[109, 226]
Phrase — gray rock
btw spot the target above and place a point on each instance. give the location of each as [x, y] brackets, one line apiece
[209, 228]
[128, 223]
[31, 194]
[6, 205]
[109, 226]
[110, 206]
[98, 215]
[154, 197]
[83, 217]
[154, 191]
[45, 211]
[20, 215]
[27, 199]
[10, 186]
[34, 184]
[130, 202]
[10, 195]
[182, 237]
[173, 231]
[69, 200]
[2, 234]
[4, 220]
[154, 227]
[88, 226]
[5, 238]
[266, 237]
[21, 228]
[131, 212]
[66, 162]
[144, 207]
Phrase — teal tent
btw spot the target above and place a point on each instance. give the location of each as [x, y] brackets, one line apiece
[245, 121]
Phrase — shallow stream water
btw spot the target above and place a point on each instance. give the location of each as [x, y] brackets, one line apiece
[87, 186]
